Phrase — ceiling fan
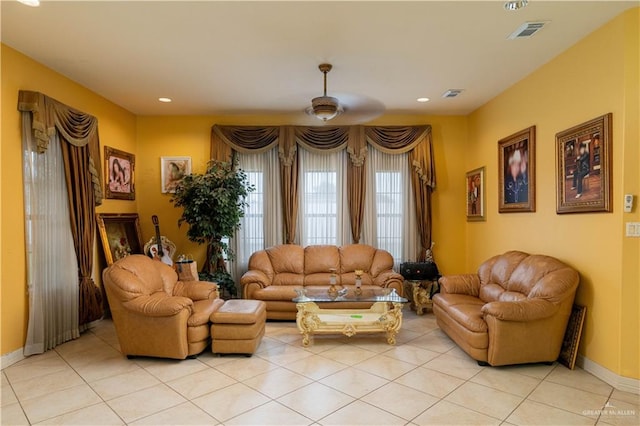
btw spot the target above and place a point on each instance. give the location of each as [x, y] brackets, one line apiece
[358, 108]
[325, 107]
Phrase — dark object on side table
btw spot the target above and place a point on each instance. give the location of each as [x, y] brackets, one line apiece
[419, 271]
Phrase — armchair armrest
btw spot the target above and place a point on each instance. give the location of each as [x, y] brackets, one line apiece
[196, 290]
[158, 305]
[386, 278]
[460, 284]
[255, 276]
[522, 310]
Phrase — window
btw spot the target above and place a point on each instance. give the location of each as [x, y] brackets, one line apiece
[321, 215]
[389, 216]
[389, 211]
[261, 226]
[321, 207]
[252, 224]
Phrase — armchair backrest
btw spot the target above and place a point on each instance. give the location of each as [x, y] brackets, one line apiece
[138, 275]
[515, 275]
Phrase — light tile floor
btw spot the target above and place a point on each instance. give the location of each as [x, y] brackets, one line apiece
[424, 380]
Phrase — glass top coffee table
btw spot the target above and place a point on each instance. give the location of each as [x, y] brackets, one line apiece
[384, 315]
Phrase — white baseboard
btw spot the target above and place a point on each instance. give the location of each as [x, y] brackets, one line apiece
[625, 384]
[11, 358]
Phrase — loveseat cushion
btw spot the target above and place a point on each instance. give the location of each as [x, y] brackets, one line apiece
[356, 256]
[276, 292]
[323, 279]
[287, 258]
[321, 259]
[287, 279]
[498, 269]
[465, 310]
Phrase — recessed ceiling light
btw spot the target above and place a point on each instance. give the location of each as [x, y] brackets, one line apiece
[422, 100]
[165, 100]
[32, 3]
[515, 4]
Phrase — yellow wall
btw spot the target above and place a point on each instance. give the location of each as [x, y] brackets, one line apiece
[190, 136]
[117, 129]
[596, 76]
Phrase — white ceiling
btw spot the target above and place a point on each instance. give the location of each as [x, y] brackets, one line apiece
[262, 57]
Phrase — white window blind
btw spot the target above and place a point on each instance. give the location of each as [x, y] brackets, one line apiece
[389, 218]
[261, 226]
[322, 216]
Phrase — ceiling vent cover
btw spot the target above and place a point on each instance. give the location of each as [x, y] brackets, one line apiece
[451, 93]
[527, 30]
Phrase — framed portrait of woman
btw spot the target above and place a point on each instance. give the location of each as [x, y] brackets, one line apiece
[119, 174]
[173, 169]
[517, 172]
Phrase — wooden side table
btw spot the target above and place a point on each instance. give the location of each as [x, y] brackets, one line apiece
[419, 294]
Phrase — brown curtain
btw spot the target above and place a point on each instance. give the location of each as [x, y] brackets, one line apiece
[356, 180]
[288, 153]
[83, 226]
[423, 179]
[78, 133]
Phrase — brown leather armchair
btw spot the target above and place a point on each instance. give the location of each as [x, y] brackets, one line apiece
[155, 314]
[276, 273]
[514, 311]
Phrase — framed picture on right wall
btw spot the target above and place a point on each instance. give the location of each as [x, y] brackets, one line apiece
[584, 167]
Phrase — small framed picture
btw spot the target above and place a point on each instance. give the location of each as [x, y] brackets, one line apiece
[517, 172]
[120, 235]
[583, 173]
[119, 174]
[173, 169]
[475, 195]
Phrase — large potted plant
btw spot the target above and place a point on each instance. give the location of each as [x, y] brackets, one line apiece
[213, 204]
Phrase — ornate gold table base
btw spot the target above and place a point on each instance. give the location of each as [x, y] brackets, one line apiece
[382, 317]
[420, 295]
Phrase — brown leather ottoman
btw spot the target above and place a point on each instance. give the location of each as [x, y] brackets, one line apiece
[238, 326]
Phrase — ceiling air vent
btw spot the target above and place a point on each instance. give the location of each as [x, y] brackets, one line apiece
[451, 93]
[527, 30]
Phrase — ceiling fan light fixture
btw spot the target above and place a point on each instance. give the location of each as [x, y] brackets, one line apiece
[325, 107]
[513, 5]
[31, 3]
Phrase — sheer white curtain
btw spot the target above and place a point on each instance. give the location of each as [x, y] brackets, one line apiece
[323, 216]
[262, 224]
[389, 217]
[52, 268]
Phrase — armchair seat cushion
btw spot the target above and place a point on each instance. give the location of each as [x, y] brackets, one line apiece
[202, 310]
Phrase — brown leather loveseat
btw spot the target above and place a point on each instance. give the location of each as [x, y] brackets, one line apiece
[514, 311]
[154, 313]
[276, 273]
